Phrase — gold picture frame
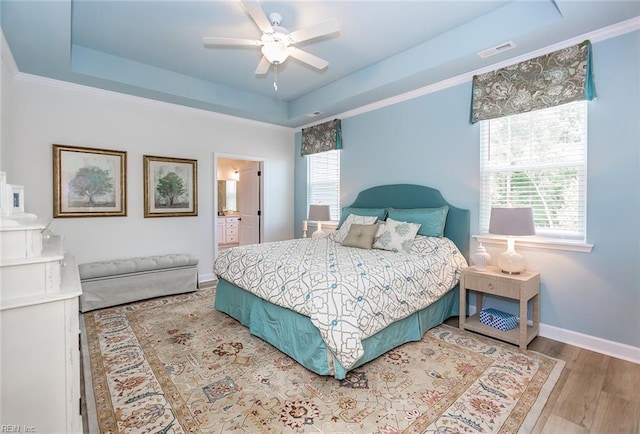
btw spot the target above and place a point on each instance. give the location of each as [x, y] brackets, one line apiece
[89, 182]
[170, 187]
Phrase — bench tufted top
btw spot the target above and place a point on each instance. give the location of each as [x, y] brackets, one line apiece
[135, 265]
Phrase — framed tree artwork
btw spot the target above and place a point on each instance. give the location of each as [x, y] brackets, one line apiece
[170, 187]
[89, 182]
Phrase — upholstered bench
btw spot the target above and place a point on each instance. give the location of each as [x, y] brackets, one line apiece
[110, 283]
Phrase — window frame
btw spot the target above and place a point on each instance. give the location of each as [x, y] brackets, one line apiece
[574, 241]
[334, 204]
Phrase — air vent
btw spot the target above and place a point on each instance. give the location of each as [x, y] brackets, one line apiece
[497, 49]
[314, 114]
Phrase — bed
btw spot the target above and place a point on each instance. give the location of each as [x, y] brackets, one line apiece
[319, 312]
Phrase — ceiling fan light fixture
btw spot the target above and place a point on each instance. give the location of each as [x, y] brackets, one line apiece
[276, 43]
[275, 52]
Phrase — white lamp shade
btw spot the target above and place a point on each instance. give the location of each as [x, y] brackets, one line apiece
[512, 221]
[319, 213]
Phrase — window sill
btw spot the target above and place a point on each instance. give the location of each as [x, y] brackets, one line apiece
[538, 243]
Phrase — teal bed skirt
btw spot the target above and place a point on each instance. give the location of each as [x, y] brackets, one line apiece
[295, 335]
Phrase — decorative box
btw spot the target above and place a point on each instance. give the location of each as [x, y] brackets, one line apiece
[498, 319]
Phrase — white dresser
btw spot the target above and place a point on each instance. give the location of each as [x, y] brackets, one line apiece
[39, 331]
[228, 230]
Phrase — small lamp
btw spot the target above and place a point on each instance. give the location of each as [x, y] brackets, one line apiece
[511, 222]
[319, 214]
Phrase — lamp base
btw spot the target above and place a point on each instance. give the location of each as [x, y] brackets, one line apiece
[510, 261]
[318, 233]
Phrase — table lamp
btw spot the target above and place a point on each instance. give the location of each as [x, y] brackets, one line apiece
[511, 222]
[319, 214]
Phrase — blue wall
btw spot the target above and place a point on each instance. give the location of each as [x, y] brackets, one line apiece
[428, 140]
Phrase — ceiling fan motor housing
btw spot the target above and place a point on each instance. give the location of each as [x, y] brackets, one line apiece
[275, 19]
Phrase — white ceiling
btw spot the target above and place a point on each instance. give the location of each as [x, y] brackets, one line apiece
[154, 49]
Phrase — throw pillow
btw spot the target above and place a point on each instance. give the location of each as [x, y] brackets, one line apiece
[339, 235]
[396, 236]
[432, 220]
[360, 236]
[381, 213]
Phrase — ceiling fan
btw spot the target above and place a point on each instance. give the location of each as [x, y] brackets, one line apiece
[276, 41]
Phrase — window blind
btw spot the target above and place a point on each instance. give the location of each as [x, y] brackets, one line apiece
[323, 187]
[537, 159]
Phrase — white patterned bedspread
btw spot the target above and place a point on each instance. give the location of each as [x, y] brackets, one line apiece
[348, 293]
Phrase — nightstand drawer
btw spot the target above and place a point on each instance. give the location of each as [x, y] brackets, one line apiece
[492, 286]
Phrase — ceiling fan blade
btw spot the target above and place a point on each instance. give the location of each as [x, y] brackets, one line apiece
[308, 58]
[324, 28]
[212, 41]
[258, 15]
[263, 66]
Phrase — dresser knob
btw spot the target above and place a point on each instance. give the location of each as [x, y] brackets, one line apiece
[491, 286]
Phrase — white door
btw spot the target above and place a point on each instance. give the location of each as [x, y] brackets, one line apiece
[249, 203]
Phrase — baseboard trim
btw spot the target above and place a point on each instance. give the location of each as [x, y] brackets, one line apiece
[205, 278]
[593, 343]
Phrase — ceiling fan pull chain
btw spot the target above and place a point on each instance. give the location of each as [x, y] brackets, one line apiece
[275, 76]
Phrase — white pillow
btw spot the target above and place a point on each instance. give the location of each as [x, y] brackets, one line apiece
[339, 235]
[396, 236]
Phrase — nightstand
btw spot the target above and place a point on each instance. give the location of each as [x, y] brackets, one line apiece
[522, 287]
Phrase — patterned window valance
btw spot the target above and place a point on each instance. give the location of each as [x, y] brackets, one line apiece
[546, 81]
[321, 138]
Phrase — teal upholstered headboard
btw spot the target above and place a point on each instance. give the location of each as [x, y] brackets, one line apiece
[417, 196]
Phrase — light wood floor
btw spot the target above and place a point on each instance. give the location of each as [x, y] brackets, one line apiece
[595, 394]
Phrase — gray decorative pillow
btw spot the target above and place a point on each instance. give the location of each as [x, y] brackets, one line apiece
[396, 236]
[339, 235]
[360, 236]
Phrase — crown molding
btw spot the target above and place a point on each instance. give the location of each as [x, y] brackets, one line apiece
[89, 90]
[602, 34]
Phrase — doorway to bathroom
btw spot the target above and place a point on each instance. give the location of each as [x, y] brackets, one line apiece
[238, 215]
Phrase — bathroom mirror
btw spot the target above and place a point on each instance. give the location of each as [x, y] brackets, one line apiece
[228, 196]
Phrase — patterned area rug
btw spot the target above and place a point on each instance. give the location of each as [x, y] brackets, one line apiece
[177, 365]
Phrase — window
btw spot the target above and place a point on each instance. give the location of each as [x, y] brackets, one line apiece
[537, 159]
[323, 174]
